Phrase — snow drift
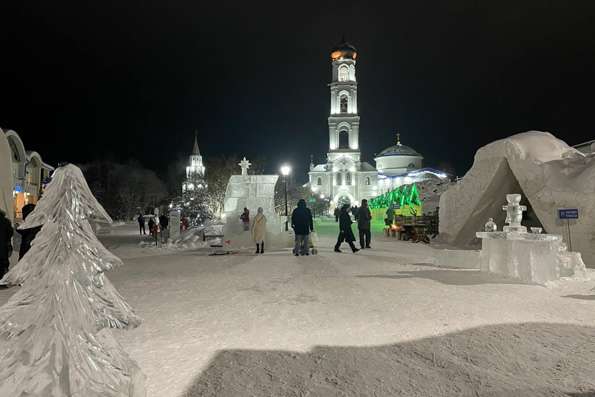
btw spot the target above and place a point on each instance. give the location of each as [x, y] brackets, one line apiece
[545, 170]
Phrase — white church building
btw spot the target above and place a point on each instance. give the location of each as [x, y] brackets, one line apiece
[345, 178]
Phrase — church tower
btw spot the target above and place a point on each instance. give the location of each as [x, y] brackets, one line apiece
[344, 179]
[343, 121]
[195, 171]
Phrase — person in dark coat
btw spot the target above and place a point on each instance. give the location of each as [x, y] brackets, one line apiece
[163, 224]
[245, 218]
[5, 243]
[337, 213]
[364, 221]
[141, 224]
[27, 235]
[345, 232]
[302, 224]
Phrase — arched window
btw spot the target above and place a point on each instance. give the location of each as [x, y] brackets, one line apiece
[367, 180]
[348, 179]
[319, 181]
[344, 102]
[339, 179]
[343, 140]
[343, 73]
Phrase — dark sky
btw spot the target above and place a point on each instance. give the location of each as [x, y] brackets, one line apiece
[133, 79]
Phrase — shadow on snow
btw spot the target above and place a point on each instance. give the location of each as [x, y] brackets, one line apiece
[531, 359]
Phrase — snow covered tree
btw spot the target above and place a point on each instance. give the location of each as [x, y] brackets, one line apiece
[55, 337]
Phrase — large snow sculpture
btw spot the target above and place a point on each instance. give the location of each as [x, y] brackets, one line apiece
[54, 331]
[548, 172]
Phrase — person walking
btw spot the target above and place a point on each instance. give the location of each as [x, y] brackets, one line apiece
[5, 243]
[302, 225]
[141, 224]
[364, 221]
[259, 230]
[27, 235]
[345, 232]
[245, 218]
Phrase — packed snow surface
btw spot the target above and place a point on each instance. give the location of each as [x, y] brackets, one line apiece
[382, 322]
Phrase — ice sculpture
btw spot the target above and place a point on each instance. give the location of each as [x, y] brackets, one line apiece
[251, 191]
[54, 331]
[514, 214]
[531, 257]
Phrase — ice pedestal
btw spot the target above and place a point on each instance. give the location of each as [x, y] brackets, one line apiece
[532, 258]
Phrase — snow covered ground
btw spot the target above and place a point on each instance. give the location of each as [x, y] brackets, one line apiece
[382, 322]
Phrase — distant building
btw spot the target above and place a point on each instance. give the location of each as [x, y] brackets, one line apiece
[345, 178]
[195, 171]
[29, 173]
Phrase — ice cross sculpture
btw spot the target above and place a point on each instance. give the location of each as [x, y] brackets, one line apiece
[244, 164]
[514, 214]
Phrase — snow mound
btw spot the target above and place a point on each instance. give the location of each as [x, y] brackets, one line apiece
[545, 170]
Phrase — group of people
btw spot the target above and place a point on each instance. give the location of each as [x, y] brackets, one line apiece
[363, 219]
[303, 225]
[6, 234]
[155, 228]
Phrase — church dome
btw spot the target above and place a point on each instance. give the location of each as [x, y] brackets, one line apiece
[398, 150]
[343, 50]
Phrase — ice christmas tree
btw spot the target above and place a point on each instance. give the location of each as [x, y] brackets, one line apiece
[55, 337]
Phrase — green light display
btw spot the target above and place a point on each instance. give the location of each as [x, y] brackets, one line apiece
[401, 196]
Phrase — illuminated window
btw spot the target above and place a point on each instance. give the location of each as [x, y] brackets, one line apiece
[367, 180]
[339, 179]
[319, 181]
[343, 73]
[348, 179]
[344, 101]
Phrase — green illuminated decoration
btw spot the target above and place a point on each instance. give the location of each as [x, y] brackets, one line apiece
[406, 195]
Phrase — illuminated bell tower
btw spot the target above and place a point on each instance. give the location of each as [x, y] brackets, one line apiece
[195, 171]
[343, 121]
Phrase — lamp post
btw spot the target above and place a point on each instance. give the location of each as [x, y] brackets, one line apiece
[285, 171]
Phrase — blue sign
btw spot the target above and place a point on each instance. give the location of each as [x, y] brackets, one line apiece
[568, 213]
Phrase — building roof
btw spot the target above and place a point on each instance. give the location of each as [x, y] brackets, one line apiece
[343, 50]
[398, 150]
[195, 149]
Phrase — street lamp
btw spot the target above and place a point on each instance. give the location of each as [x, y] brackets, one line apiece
[285, 171]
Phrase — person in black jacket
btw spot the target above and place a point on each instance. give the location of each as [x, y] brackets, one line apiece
[141, 223]
[302, 224]
[27, 235]
[5, 243]
[345, 232]
[163, 223]
[364, 221]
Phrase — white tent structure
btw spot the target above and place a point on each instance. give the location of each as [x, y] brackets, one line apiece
[545, 170]
[6, 181]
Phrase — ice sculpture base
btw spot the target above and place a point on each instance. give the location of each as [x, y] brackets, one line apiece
[532, 258]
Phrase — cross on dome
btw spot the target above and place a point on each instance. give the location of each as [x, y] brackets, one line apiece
[244, 164]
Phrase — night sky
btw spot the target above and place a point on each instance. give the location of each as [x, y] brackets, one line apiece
[134, 79]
